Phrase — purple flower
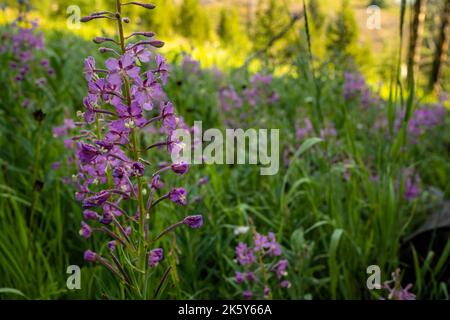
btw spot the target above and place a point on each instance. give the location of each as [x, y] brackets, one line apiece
[86, 152]
[131, 116]
[89, 114]
[194, 221]
[118, 132]
[247, 294]
[45, 62]
[106, 218]
[139, 52]
[412, 187]
[178, 196]
[146, 91]
[280, 268]
[118, 69]
[190, 65]
[239, 277]
[90, 256]
[85, 230]
[180, 167]
[156, 182]
[306, 130]
[273, 248]
[285, 284]
[260, 242]
[138, 169]
[244, 255]
[397, 292]
[155, 256]
[90, 215]
[56, 165]
[96, 200]
[355, 87]
[111, 245]
[328, 132]
[169, 120]
[250, 276]
[203, 180]
[161, 68]
[229, 98]
[62, 131]
[89, 67]
[112, 209]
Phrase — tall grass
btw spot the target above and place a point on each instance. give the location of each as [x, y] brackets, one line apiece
[331, 228]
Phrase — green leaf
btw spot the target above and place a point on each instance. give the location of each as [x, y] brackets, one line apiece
[12, 291]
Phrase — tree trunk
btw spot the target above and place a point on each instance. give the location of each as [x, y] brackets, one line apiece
[440, 54]
[415, 37]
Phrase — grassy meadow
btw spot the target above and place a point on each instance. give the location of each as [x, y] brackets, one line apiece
[364, 153]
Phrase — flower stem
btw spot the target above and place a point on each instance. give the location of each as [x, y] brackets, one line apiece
[136, 155]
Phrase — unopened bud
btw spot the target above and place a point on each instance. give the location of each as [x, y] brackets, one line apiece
[104, 50]
[99, 40]
[86, 19]
[144, 5]
[157, 43]
[148, 34]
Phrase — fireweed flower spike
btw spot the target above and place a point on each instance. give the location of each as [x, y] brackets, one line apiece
[395, 289]
[114, 181]
[261, 270]
[23, 45]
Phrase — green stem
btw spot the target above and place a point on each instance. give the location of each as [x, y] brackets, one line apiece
[136, 155]
[34, 178]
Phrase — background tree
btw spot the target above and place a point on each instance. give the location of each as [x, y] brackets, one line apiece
[230, 30]
[194, 23]
[271, 17]
[342, 35]
[316, 15]
[380, 3]
[161, 19]
[415, 38]
[440, 54]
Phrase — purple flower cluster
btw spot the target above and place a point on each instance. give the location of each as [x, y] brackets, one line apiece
[356, 88]
[124, 99]
[261, 263]
[24, 46]
[190, 65]
[306, 130]
[396, 291]
[24, 43]
[412, 184]
[424, 119]
[229, 98]
[237, 105]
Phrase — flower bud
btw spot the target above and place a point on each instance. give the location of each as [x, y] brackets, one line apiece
[104, 50]
[144, 5]
[178, 196]
[85, 230]
[157, 43]
[111, 245]
[99, 40]
[90, 256]
[90, 215]
[194, 221]
[87, 18]
[180, 167]
[146, 34]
